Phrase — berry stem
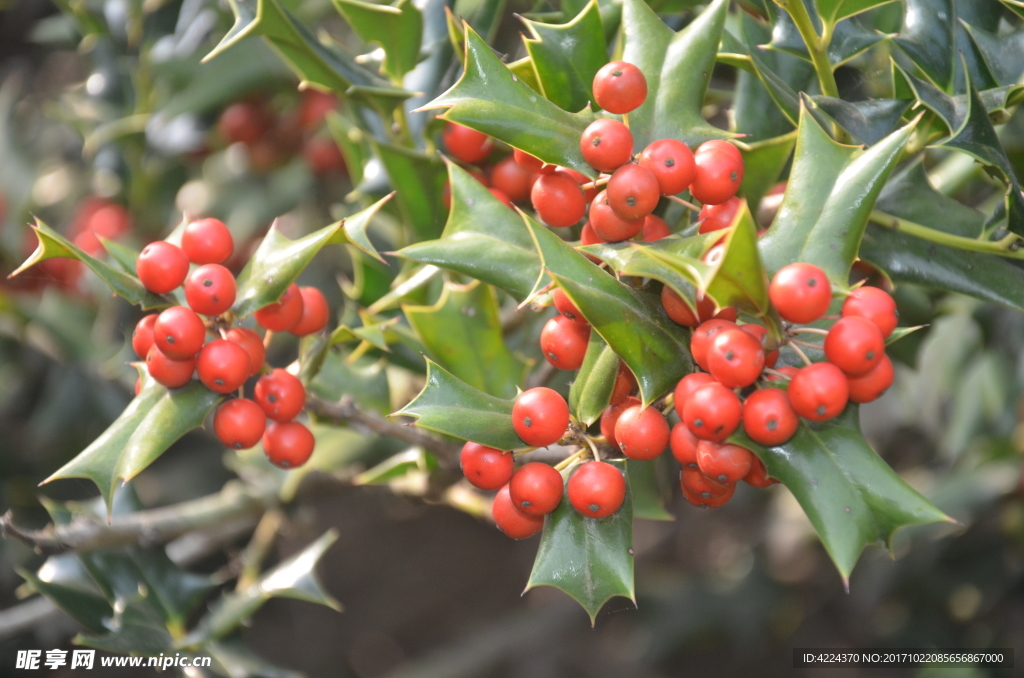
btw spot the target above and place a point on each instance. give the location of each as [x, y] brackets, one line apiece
[811, 330]
[805, 344]
[267, 338]
[572, 457]
[358, 353]
[596, 183]
[625, 120]
[592, 446]
[803, 356]
[777, 373]
[525, 450]
[688, 205]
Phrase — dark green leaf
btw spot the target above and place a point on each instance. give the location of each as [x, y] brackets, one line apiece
[780, 91]
[413, 460]
[365, 381]
[763, 162]
[351, 142]
[849, 38]
[832, 11]
[236, 658]
[592, 388]
[138, 628]
[928, 38]
[648, 487]
[1003, 54]
[419, 180]
[63, 581]
[567, 56]
[397, 28]
[869, 121]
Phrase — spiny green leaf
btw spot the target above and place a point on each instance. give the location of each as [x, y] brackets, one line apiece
[591, 390]
[64, 582]
[647, 486]
[869, 121]
[849, 38]
[763, 162]
[780, 91]
[122, 255]
[832, 11]
[418, 179]
[928, 38]
[353, 230]
[1003, 54]
[566, 57]
[138, 628]
[351, 142]
[397, 28]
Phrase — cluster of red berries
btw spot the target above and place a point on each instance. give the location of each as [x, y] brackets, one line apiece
[178, 342]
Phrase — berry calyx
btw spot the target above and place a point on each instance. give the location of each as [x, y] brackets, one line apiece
[558, 200]
[280, 394]
[512, 179]
[596, 489]
[540, 416]
[210, 289]
[875, 305]
[610, 417]
[565, 306]
[288, 444]
[655, 228]
[161, 267]
[684, 445]
[167, 371]
[252, 344]
[768, 417]
[633, 192]
[871, 386]
[642, 432]
[801, 293]
[179, 333]
[702, 337]
[609, 226]
[686, 386]
[619, 87]
[222, 366]
[239, 423]
[564, 342]
[465, 144]
[819, 392]
[315, 312]
[672, 164]
[718, 177]
[536, 489]
[606, 145]
[510, 520]
[724, 463]
[854, 345]
[284, 314]
[142, 336]
[735, 358]
[712, 412]
[486, 467]
[531, 163]
[718, 217]
[207, 241]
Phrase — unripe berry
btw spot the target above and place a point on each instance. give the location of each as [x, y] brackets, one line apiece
[284, 314]
[161, 267]
[606, 145]
[540, 416]
[800, 292]
[486, 467]
[288, 444]
[223, 366]
[315, 312]
[642, 433]
[819, 392]
[633, 192]
[564, 342]
[536, 489]
[510, 520]
[672, 164]
[210, 289]
[179, 333]
[619, 87]
[207, 241]
[239, 423]
[596, 489]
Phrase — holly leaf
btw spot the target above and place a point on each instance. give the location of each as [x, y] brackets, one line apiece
[646, 485]
[1003, 55]
[831, 191]
[397, 28]
[928, 37]
[52, 244]
[591, 390]
[831, 11]
[567, 56]
[418, 179]
[351, 143]
[848, 492]
[590, 560]
[869, 121]
[414, 460]
[450, 406]
[64, 582]
[123, 256]
[849, 38]
[781, 92]
[763, 162]
[480, 223]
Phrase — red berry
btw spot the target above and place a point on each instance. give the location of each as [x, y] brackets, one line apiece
[239, 423]
[625, 382]
[677, 309]
[712, 412]
[536, 489]
[280, 394]
[210, 289]
[540, 416]
[758, 476]
[142, 337]
[684, 445]
[871, 386]
[284, 314]
[207, 241]
[642, 432]
[465, 144]
[596, 489]
[500, 195]
[169, 372]
[718, 217]
[314, 107]
[819, 392]
[633, 192]
[610, 417]
[529, 162]
[800, 293]
[179, 333]
[655, 228]
[700, 490]
[288, 444]
[244, 122]
[854, 345]
[761, 334]
[768, 417]
[252, 344]
[606, 145]
[564, 342]
[724, 464]
[787, 370]
[619, 87]
[161, 267]
[223, 366]
[874, 304]
[672, 164]
[590, 192]
[720, 146]
[702, 337]
[719, 176]
[486, 467]
[510, 520]
[323, 156]
[588, 236]
[735, 358]
[706, 310]
[609, 226]
[314, 312]
[512, 179]
[566, 307]
[558, 200]
[686, 386]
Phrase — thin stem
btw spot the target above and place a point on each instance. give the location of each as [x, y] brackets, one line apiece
[777, 373]
[572, 457]
[592, 446]
[358, 353]
[668, 404]
[810, 330]
[267, 338]
[1009, 246]
[805, 344]
[625, 120]
[525, 450]
[688, 205]
[596, 183]
[803, 356]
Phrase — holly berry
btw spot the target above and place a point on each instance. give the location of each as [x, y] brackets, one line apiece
[500, 195]
[536, 489]
[244, 122]
[167, 371]
[874, 304]
[161, 267]
[610, 417]
[179, 333]
[642, 432]
[672, 164]
[142, 337]
[720, 146]
[684, 445]
[677, 309]
[564, 342]
[761, 334]
[531, 163]
[718, 217]
[510, 520]
[223, 366]
[819, 392]
[589, 237]
[700, 490]
[280, 394]
[239, 423]
[788, 370]
[314, 312]
[854, 345]
[207, 241]
[871, 386]
[609, 226]
[566, 307]
[712, 412]
[558, 200]
[465, 144]
[511, 178]
[606, 145]
[288, 444]
[686, 386]
[486, 467]
[210, 289]
[253, 345]
[314, 107]
[718, 177]
[633, 192]
[655, 228]
[735, 358]
[323, 156]
[702, 337]
[284, 314]
[596, 489]
[540, 416]
[724, 464]
[758, 475]
[768, 417]
[800, 293]
[619, 87]
[590, 192]
[625, 382]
